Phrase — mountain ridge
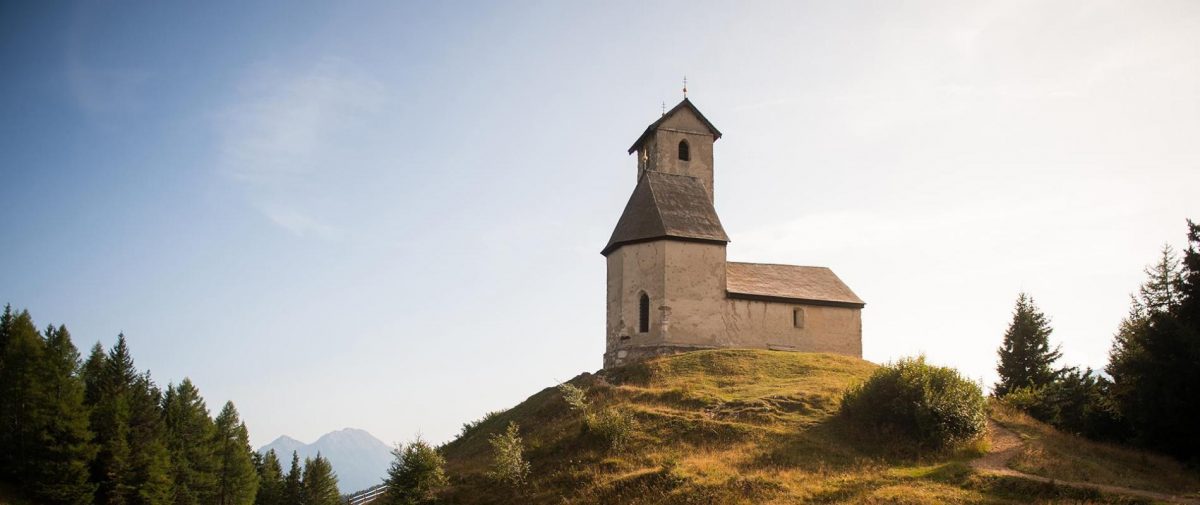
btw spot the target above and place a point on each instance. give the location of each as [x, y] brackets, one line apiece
[358, 458]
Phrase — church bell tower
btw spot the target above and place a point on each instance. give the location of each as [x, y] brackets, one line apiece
[679, 143]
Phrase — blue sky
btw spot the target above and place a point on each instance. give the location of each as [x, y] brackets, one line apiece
[388, 215]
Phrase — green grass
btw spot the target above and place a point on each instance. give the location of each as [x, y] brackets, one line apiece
[728, 426]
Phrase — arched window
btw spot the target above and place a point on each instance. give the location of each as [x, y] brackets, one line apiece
[644, 314]
[684, 153]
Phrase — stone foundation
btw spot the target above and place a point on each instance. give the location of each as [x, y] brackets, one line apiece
[625, 356]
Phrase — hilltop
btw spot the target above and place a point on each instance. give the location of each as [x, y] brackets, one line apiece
[742, 426]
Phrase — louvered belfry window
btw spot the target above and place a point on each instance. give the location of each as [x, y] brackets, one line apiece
[684, 154]
[644, 314]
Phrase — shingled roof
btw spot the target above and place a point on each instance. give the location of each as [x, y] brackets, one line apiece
[788, 283]
[667, 206]
[654, 126]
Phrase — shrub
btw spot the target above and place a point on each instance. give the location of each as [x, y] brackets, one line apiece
[415, 474]
[575, 397]
[1076, 402]
[931, 405]
[613, 425]
[509, 466]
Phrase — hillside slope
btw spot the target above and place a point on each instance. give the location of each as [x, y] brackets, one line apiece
[730, 426]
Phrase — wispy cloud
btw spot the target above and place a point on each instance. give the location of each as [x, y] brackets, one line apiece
[101, 91]
[297, 223]
[287, 132]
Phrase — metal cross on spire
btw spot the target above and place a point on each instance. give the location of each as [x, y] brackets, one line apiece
[685, 86]
[664, 108]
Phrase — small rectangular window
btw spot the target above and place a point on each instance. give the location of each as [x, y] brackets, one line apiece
[798, 317]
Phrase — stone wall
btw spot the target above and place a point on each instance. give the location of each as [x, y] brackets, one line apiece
[689, 308]
[770, 325]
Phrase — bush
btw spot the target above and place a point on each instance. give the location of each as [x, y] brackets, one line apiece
[575, 397]
[509, 466]
[931, 405]
[1075, 402]
[415, 474]
[614, 426]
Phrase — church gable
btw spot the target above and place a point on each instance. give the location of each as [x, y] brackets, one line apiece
[684, 116]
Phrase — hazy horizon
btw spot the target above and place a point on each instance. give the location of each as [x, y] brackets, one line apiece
[388, 216]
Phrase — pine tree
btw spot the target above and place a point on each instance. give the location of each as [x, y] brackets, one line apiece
[20, 392]
[132, 465]
[1155, 359]
[92, 374]
[293, 484]
[110, 423]
[190, 434]
[1189, 280]
[1026, 358]
[7, 400]
[1161, 292]
[509, 466]
[61, 466]
[6, 322]
[320, 483]
[415, 474]
[270, 481]
[150, 463]
[237, 482]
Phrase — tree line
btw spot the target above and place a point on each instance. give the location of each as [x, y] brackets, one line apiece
[1148, 394]
[99, 431]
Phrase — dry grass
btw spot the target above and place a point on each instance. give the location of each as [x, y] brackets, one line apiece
[1051, 453]
[730, 426]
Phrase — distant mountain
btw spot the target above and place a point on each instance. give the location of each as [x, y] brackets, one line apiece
[359, 459]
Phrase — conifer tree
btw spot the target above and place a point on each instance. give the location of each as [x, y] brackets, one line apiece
[1155, 358]
[6, 321]
[1189, 281]
[1025, 356]
[190, 434]
[150, 463]
[270, 481]
[132, 465]
[6, 440]
[320, 483]
[237, 481]
[415, 474]
[61, 466]
[20, 389]
[108, 390]
[293, 484]
[92, 373]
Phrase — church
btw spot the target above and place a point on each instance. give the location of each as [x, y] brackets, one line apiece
[670, 288]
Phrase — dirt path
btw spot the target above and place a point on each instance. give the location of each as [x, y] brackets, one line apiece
[1006, 444]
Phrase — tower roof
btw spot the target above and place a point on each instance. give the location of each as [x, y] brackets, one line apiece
[654, 126]
[667, 206]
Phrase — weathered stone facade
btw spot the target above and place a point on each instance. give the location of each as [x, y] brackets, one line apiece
[670, 288]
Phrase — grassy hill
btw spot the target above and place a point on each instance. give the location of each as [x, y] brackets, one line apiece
[741, 426]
